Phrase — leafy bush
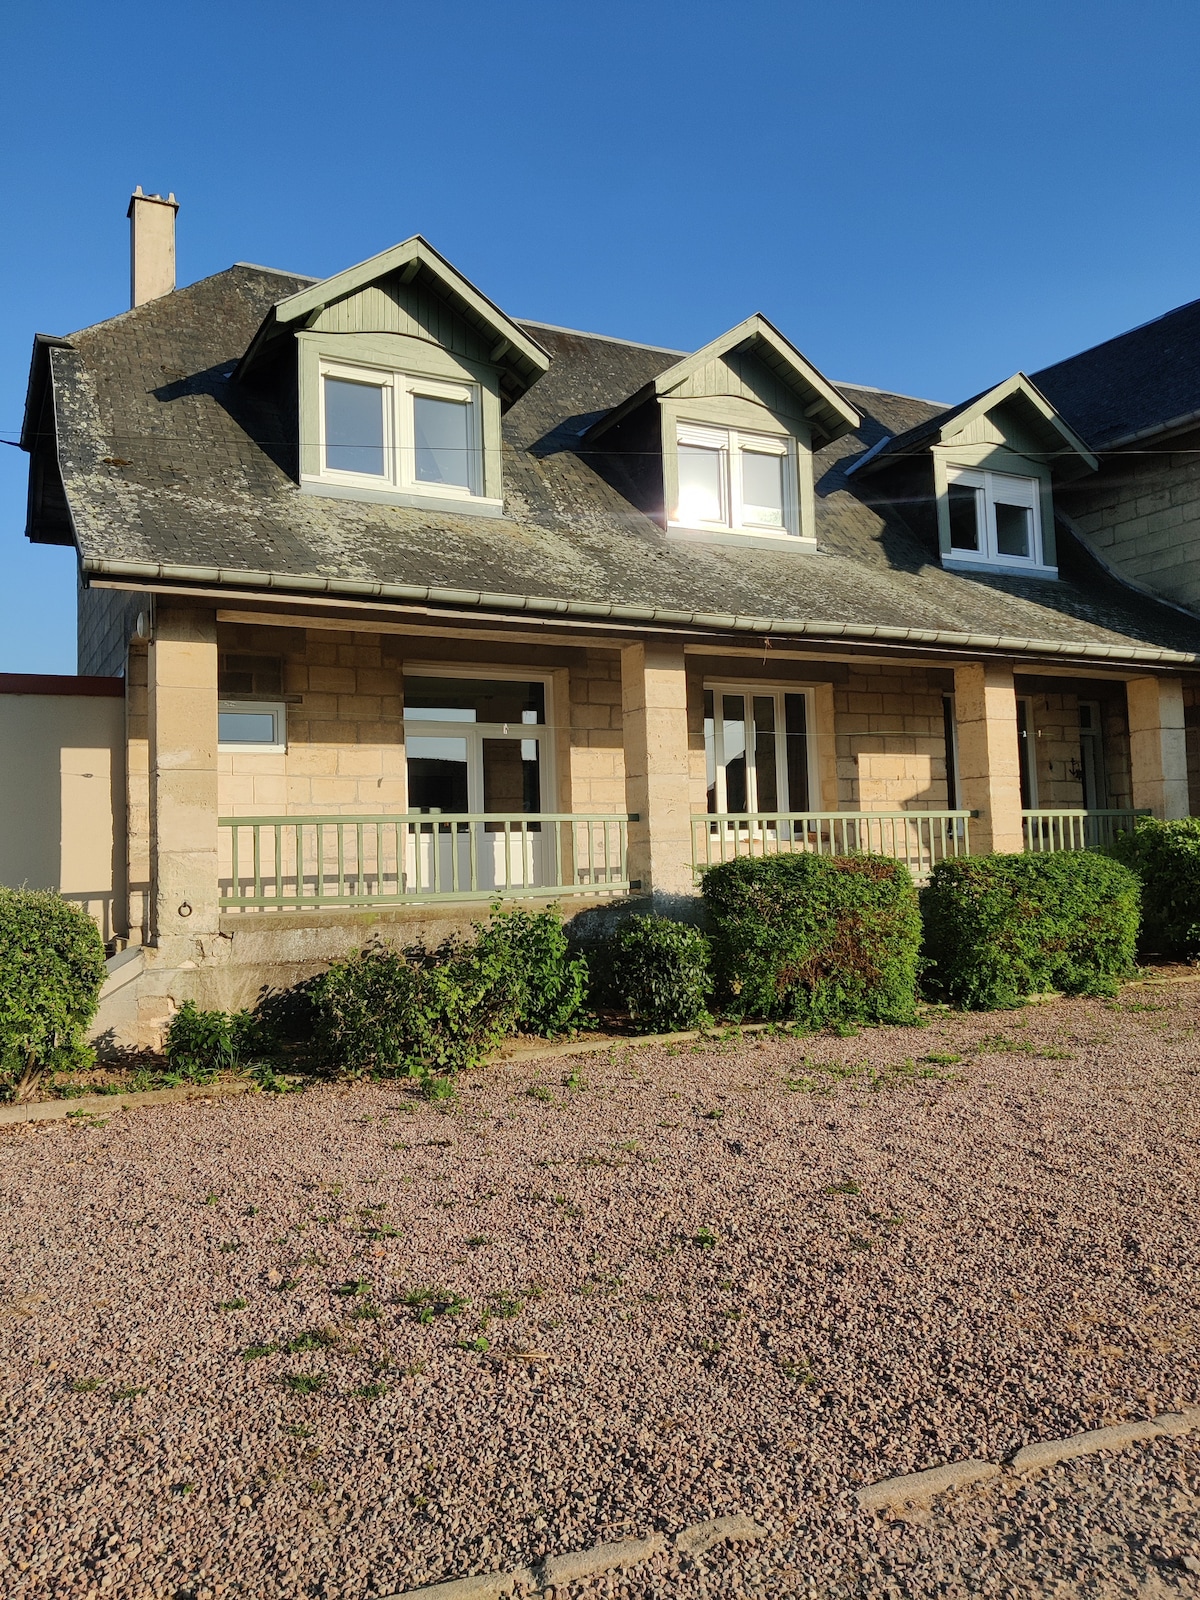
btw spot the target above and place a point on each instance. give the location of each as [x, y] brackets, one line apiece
[414, 1013]
[659, 972]
[548, 984]
[999, 928]
[816, 939]
[51, 972]
[1166, 858]
[201, 1043]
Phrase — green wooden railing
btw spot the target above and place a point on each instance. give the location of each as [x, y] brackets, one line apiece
[294, 862]
[918, 838]
[1075, 828]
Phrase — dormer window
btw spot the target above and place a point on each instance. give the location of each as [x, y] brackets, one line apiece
[391, 430]
[732, 479]
[994, 518]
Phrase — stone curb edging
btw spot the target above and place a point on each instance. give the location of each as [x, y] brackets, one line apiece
[573, 1565]
[922, 1486]
[95, 1105]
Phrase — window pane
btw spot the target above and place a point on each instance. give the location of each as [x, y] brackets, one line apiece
[442, 433]
[733, 734]
[354, 427]
[511, 778]
[795, 717]
[246, 727]
[437, 774]
[710, 749]
[1014, 530]
[473, 700]
[766, 778]
[762, 489]
[701, 484]
[964, 517]
[1025, 755]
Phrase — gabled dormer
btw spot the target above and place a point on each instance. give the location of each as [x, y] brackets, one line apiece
[402, 371]
[995, 461]
[719, 446]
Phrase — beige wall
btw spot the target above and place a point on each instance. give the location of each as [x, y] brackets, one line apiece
[891, 746]
[62, 799]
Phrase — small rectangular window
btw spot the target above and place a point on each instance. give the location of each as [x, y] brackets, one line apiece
[964, 517]
[701, 484]
[994, 517]
[1013, 530]
[736, 480]
[251, 725]
[354, 427]
[762, 489]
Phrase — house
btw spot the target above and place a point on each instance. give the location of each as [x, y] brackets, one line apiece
[416, 604]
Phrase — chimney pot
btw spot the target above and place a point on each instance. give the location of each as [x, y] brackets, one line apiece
[151, 246]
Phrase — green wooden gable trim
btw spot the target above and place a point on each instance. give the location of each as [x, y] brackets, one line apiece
[1018, 409]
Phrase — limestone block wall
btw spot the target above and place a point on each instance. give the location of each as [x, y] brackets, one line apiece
[890, 738]
[595, 739]
[1142, 512]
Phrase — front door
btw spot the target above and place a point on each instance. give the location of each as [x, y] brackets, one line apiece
[475, 748]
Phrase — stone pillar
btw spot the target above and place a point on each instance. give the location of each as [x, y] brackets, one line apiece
[657, 787]
[989, 767]
[1157, 746]
[137, 794]
[182, 696]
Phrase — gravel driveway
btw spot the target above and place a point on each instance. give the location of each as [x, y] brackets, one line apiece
[343, 1343]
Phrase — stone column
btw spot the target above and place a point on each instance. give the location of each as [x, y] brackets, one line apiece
[137, 794]
[989, 767]
[1157, 746]
[182, 695]
[657, 786]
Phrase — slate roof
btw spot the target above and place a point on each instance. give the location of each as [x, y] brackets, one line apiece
[172, 470]
[1132, 385]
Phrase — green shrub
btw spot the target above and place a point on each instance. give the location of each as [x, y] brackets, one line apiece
[548, 984]
[201, 1043]
[1000, 928]
[51, 972]
[815, 939]
[414, 1013]
[659, 972]
[1166, 858]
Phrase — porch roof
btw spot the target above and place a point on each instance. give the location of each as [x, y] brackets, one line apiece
[173, 472]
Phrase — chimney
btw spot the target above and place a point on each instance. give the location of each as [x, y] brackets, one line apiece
[151, 246]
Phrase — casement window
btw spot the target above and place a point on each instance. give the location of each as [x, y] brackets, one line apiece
[390, 430]
[252, 725]
[731, 479]
[1027, 753]
[758, 749]
[995, 518]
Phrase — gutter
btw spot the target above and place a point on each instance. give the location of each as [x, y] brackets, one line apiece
[1171, 426]
[610, 611]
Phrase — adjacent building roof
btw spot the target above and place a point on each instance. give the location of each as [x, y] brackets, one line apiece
[1140, 383]
[173, 472]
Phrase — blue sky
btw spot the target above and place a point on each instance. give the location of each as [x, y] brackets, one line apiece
[924, 196]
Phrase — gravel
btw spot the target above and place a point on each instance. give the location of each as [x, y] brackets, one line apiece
[684, 1283]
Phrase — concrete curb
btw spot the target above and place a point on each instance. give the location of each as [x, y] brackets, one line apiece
[695, 1539]
[1048, 1452]
[99, 1105]
[924, 1485]
[485, 1586]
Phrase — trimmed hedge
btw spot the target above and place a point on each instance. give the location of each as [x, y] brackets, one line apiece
[659, 972]
[816, 939]
[550, 985]
[1166, 858]
[51, 972]
[1001, 928]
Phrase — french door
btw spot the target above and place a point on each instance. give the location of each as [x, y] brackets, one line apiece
[758, 751]
[478, 746]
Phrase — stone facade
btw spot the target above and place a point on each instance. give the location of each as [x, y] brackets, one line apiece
[891, 743]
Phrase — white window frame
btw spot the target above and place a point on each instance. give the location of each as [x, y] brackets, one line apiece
[399, 430]
[276, 708]
[1030, 747]
[476, 732]
[1007, 488]
[732, 443]
[776, 691]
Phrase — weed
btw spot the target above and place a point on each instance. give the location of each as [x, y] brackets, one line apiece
[304, 1382]
[313, 1339]
[575, 1081]
[211, 1199]
[414, 1369]
[845, 1030]
[370, 1391]
[1002, 1044]
[1055, 1055]
[477, 1241]
[128, 1393]
[942, 1060]
[228, 1246]
[848, 1186]
[541, 1091]
[506, 1305]
[234, 1305]
[183, 1488]
[85, 1385]
[354, 1287]
[365, 1311]
[857, 1242]
[704, 1238]
[798, 1371]
[478, 1346]
[255, 1352]
[629, 1145]
[299, 1431]
[430, 1303]
[715, 1114]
